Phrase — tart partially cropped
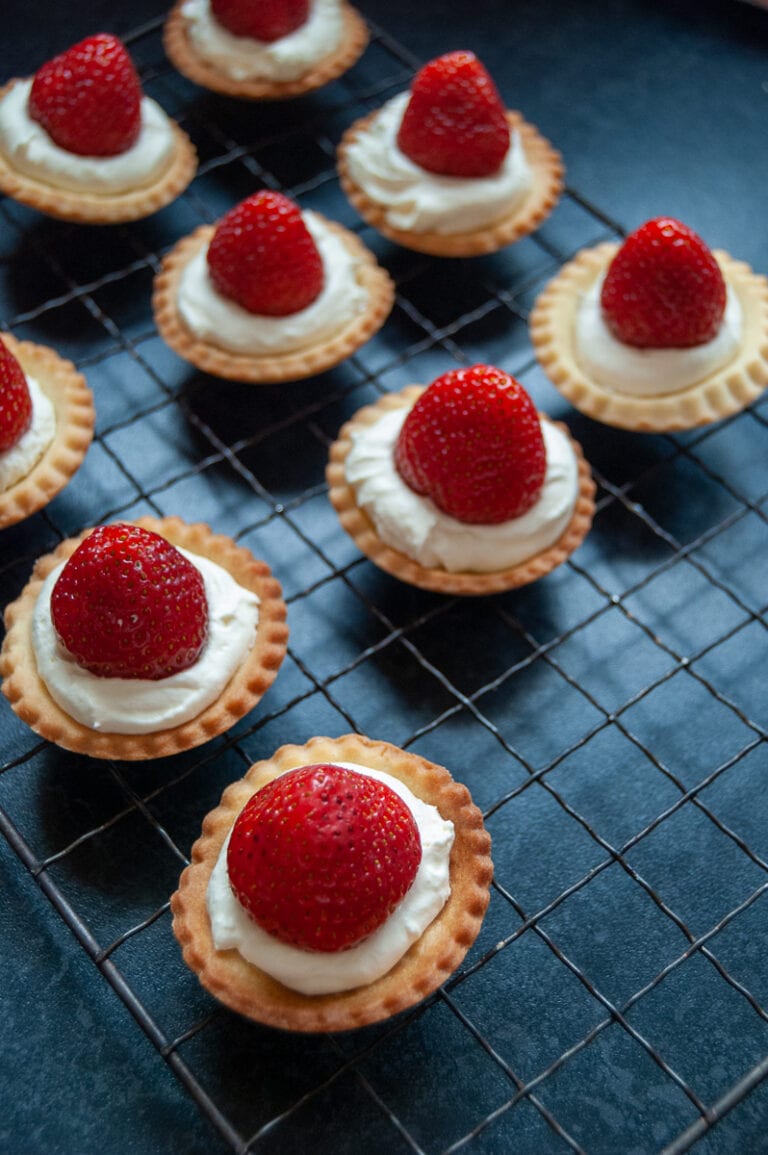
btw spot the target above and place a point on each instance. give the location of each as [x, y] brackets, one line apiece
[72, 430]
[124, 715]
[249, 69]
[437, 952]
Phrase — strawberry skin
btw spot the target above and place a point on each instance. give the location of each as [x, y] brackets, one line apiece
[264, 20]
[473, 444]
[454, 123]
[321, 856]
[663, 289]
[263, 257]
[128, 605]
[15, 401]
[88, 98]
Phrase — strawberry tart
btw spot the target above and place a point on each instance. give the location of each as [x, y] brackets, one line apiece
[79, 140]
[656, 334]
[264, 49]
[445, 169]
[46, 426]
[139, 640]
[380, 907]
[270, 294]
[461, 487]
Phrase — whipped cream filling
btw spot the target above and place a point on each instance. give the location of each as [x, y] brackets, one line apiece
[21, 458]
[30, 150]
[650, 372]
[243, 58]
[414, 525]
[222, 322]
[322, 972]
[419, 201]
[138, 705]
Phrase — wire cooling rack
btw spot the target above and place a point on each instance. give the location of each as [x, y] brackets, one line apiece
[610, 720]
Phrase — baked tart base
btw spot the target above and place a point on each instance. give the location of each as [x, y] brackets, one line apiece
[429, 961]
[722, 393]
[29, 697]
[527, 214]
[272, 368]
[73, 405]
[182, 54]
[359, 526]
[92, 208]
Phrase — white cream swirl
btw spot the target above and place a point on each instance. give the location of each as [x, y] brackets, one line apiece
[413, 524]
[18, 461]
[222, 322]
[243, 58]
[321, 972]
[29, 149]
[142, 706]
[419, 201]
[650, 372]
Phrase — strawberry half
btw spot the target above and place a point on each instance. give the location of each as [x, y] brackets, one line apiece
[663, 289]
[128, 604]
[15, 401]
[322, 855]
[264, 20]
[88, 98]
[263, 257]
[473, 444]
[455, 123]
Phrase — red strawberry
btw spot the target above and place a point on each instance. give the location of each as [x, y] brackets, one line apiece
[265, 20]
[263, 257]
[128, 605]
[87, 99]
[321, 856]
[663, 289]
[473, 443]
[15, 402]
[454, 122]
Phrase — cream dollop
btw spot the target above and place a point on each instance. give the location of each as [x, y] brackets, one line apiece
[21, 458]
[243, 58]
[419, 201]
[31, 150]
[321, 972]
[222, 322]
[415, 526]
[141, 706]
[650, 372]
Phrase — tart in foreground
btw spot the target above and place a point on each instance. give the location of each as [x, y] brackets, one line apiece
[138, 640]
[430, 954]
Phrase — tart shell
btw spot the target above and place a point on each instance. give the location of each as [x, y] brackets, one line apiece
[181, 52]
[29, 697]
[547, 171]
[91, 208]
[359, 526]
[722, 393]
[73, 406]
[272, 368]
[428, 962]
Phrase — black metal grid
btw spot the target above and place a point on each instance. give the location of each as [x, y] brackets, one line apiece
[610, 721]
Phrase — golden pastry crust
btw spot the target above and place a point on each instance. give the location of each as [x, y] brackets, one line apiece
[430, 960]
[547, 170]
[31, 701]
[102, 208]
[181, 52]
[726, 391]
[359, 526]
[272, 368]
[73, 405]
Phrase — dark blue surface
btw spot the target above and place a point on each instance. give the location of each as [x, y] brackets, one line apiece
[610, 720]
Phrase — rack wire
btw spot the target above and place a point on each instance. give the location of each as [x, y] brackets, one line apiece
[609, 721]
